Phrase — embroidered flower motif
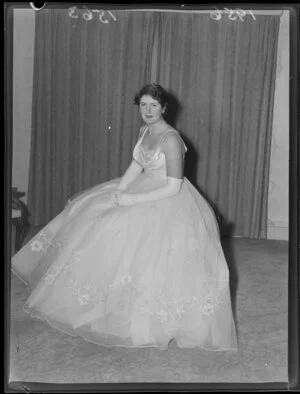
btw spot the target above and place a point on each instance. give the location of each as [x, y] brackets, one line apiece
[36, 246]
[54, 247]
[117, 234]
[208, 306]
[180, 310]
[125, 280]
[83, 299]
[88, 292]
[97, 219]
[75, 258]
[163, 315]
[53, 272]
[49, 278]
[40, 243]
[169, 316]
[57, 268]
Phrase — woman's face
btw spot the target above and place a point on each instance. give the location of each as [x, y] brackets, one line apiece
[150, 109]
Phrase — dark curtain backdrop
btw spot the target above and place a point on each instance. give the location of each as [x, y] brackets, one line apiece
[86, 74]
[84, 122]
[224, 73]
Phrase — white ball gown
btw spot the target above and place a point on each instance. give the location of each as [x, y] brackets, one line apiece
[132, 276]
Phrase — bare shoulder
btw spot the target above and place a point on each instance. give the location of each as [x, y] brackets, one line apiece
[172, 141]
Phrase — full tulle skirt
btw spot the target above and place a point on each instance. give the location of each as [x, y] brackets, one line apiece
[132, 276]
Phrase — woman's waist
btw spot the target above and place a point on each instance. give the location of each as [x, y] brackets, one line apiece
[155, 173]
[147, 181]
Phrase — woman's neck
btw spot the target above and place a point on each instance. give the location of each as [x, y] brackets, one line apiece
[157, 128]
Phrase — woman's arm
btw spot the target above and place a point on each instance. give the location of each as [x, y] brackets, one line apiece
[172, 188]
[133, 171]
[173, 149]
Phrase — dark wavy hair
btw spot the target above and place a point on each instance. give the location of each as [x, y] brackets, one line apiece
[154, 90]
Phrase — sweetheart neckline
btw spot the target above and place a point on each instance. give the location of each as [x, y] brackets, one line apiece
[158, 140]
[156, 151]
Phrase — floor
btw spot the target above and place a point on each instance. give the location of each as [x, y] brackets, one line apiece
[259, 277]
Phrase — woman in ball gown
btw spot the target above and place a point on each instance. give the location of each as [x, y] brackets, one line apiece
[135, 261]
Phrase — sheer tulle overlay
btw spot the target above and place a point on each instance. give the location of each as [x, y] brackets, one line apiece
[132, 276]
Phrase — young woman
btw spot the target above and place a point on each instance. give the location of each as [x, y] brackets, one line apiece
[135, 261]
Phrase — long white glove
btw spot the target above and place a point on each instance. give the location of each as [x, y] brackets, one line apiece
[172, 188]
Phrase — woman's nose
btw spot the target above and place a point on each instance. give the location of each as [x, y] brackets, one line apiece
[148, 110]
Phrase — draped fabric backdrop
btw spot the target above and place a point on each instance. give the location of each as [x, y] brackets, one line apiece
[85, 124]
[224, 73]
[86, 74]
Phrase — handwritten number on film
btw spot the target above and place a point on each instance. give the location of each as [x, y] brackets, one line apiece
[232, 14]
[88, 14]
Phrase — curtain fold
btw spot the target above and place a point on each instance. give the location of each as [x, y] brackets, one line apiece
[224, 73]
[84, 123]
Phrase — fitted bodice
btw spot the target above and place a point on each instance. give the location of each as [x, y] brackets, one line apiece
[153, 160]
